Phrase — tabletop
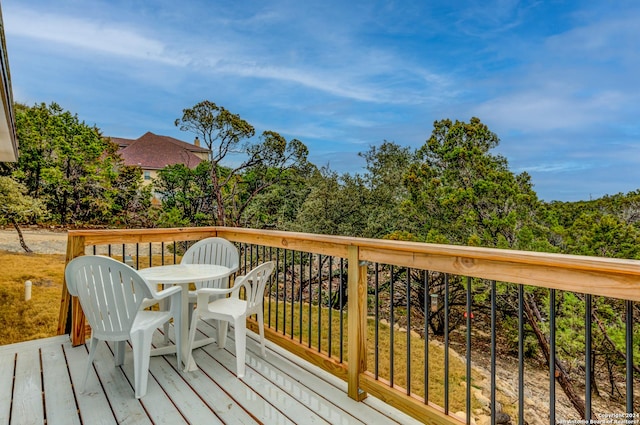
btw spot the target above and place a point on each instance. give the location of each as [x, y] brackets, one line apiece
[184, 273]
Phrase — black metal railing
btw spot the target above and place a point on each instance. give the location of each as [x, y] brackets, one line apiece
[423, 326]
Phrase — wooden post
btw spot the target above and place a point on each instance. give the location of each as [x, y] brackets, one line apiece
[357, 321]
[70, 310]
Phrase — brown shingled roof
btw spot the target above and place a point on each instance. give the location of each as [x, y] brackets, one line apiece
[154, 152]
[121, 142]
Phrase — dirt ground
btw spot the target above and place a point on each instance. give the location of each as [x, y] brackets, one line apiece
[40, 241]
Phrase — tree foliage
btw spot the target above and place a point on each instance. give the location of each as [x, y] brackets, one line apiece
[261, 164]
[461, 193]
[67, 165]
[16, 207]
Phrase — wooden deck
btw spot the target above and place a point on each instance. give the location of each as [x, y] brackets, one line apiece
[39, 383]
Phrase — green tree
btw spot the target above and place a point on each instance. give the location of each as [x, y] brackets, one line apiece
[386, 167]
[130, 201]
[336, 205]
[17, 207]
[185, 193]
[65, 163]
[463, 194]
[262, 164]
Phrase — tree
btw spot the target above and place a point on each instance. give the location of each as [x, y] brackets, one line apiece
[262, 164]
[16, 206]
[463, 194]
[130, 201]
[386, 167]
[336, 205]
[460, 193]
[185, 193]
[65, 163]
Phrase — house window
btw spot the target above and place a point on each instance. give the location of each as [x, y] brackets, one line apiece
[147, 175]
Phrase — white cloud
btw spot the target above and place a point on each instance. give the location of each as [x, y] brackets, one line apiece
[89, 35]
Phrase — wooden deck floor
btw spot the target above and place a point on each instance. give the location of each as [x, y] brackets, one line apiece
[39, 383]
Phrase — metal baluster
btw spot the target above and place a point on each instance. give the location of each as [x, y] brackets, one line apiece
[277, 287]
[468, 352]
[376, 353]
[629, 349]
[271, 283]
[446, 344]
[587, 357]
[341, 310]
[552, 356]
[293, 280]
[284, 293]
[330, 304]
[175, 246]
[425, 290]
[408, 301]
[320, 302]
[493, 353]
[300, 298]
[520, 356]
[391, 324]
[310, 300]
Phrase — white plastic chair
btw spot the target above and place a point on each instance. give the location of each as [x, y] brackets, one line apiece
[212, 250]
[111, 294]
[234, 310]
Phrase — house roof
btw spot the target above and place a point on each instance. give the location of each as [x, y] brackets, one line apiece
[154, 152]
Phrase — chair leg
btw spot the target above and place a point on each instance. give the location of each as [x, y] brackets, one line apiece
[141, 341]
[164, 305]
[222, 327]
[165, 329]
[260, 317]
[240, 326]
[92, 353]
[118, 352]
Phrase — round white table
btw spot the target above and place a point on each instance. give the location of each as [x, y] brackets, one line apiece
[183, 275]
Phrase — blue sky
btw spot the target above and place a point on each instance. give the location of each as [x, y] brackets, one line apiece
[557, 81]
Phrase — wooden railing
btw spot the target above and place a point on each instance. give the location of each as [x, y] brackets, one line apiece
[613, 278]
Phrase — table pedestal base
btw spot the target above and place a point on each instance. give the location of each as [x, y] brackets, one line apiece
[171, 349]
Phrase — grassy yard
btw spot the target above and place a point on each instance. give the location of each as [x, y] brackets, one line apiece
[22, 320]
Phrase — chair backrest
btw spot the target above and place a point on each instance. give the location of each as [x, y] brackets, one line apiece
[255, 282]
[110, 293]
[212, 251]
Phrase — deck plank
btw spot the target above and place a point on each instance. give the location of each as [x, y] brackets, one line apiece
[187, 401]
[92, 401]
[268, 390]
[276, 389]
[117, 388]
[334, 390]
[7, 360]
[27, 393]
[217, 398]
[60, 403]
[238, 390]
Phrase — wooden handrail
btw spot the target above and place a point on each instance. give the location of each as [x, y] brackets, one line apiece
[615, 278]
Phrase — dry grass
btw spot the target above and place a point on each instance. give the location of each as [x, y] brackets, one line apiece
[457, 371]
[22, 320]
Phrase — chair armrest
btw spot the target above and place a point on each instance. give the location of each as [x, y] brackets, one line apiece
[204, 294]
[167, 292]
